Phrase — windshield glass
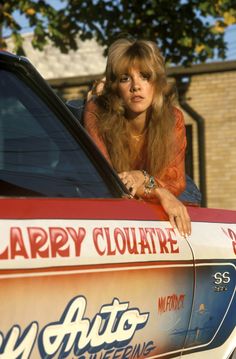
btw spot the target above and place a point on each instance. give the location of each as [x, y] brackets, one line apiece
[38, 155]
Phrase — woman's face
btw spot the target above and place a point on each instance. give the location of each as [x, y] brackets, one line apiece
[137, 91]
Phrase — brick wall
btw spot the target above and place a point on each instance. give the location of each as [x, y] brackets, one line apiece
[213, 96]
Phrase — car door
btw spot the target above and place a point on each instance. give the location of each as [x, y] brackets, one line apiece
[213, 242]
[85, 272]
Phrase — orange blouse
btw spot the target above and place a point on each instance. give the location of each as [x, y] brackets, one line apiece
[173, 176]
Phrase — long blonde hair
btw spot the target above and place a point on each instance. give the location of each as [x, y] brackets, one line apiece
[124, 54]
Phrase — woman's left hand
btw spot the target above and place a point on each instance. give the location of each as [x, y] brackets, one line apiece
[176, 210]
[132, 180]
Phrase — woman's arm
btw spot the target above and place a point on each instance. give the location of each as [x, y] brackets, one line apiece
[140, 185]
[173, 176]
[168, 185]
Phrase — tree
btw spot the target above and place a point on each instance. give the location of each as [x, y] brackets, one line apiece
[187, 31]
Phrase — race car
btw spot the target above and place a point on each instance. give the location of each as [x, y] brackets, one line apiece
[86, 271]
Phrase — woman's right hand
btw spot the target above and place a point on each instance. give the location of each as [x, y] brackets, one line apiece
[133, 180]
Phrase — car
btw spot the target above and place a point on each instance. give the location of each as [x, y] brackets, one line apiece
[86, 271]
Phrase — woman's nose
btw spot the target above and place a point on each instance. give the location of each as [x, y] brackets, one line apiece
[135, 86]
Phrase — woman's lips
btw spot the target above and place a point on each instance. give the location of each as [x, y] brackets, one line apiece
[136, 98]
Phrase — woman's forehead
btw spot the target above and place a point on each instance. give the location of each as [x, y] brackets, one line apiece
[134, 65]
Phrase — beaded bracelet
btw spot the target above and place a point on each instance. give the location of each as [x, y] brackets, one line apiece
[150, 185]
[148, 190]
[151, 180]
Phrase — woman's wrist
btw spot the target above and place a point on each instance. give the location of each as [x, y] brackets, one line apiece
[149, 181]
[149, 185]
[145, 177]
[158, 192]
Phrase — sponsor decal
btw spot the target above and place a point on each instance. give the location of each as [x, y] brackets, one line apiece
[134, 240]
[231, 235]
[108, 333]
[171, 302]
[41, 242]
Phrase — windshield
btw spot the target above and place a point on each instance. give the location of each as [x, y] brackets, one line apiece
[38, 155]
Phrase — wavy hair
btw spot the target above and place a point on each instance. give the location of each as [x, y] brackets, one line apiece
[123, 55]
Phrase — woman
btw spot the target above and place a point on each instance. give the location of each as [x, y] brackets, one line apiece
[138, 129]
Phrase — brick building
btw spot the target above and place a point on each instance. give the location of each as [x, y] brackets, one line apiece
[207, 94]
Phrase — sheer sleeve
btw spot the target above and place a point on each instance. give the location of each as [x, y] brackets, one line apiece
[91, 117]
[173, 176]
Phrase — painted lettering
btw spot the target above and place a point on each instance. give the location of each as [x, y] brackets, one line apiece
[173, 243]
[59, 242]
[15, 345]
[232, 235]
[107, 335]
[170, 303]
[17, 244]
[38, 242]
[140, 240]
[77, 238]
[120, 239]
[167, 243]
[129, 352]
[63, 242]
[115, 323]
[42, 243]
[132, 245]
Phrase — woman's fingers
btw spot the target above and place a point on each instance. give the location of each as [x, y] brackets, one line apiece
[180, 224]
[177, 212]
[186, 221]
[128, 181]
[181, 221]
[131, 180]
[172, 220]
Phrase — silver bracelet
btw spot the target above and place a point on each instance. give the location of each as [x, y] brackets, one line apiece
[151, 183]
[151, 180]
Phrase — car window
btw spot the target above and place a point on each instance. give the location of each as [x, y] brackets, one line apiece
[38, 155]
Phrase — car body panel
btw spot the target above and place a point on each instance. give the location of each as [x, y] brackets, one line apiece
[73, 269]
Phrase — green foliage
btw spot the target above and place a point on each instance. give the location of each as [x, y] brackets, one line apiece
[187, 31]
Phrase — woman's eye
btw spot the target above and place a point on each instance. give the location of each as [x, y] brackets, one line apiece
[145, 76]
[124, 78]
